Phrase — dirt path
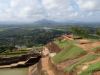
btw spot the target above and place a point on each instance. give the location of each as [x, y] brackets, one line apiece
[46, 62]
[89, 46]
[86, 47]
[46, 66]
[67, 38]
[85, 44]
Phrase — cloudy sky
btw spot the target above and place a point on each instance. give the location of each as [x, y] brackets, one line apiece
[57, 10]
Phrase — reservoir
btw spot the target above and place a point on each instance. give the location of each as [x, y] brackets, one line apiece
[14, 71]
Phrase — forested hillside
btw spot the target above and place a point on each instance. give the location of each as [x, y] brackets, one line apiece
[26, 36]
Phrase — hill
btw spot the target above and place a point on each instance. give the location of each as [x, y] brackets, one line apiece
[77, 56]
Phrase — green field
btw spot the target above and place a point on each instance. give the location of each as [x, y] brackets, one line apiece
[64, 43]
[9, 53]
[92, 68]
[19, 52]
[70, 51]
[84, 59]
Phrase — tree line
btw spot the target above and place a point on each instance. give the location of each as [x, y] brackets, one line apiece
[87, 32]
[23, 37]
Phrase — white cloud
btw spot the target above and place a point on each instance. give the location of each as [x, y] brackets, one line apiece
[14, 3]
[90, 13]
[48, 9]
[75, 14]
[24, 12]
[88, 4]
[25, 9]
[58, 9]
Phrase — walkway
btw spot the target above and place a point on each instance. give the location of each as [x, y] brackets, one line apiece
[45, 61]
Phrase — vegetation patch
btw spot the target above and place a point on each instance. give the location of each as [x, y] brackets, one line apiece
[85, 32]
[70, 52]
[87, 58]
[63, 44]
[92, 68]
[9, 53]
[96, 49]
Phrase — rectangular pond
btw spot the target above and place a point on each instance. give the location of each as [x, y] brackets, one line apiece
[14, 71]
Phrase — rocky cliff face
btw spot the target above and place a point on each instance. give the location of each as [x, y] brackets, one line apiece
[52, 47]
[45, 66]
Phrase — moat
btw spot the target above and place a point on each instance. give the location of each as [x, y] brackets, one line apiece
[18, 65]
[14, 71]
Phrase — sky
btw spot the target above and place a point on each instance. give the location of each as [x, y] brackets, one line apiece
[56, 10]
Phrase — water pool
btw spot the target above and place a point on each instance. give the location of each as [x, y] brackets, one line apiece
[14, 71]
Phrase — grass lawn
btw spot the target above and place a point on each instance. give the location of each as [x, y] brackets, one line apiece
[87, 58]
[70, 52]
[92, 68]
[63, 43]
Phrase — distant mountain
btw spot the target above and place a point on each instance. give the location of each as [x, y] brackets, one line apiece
[40, 22]
[46, 22]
